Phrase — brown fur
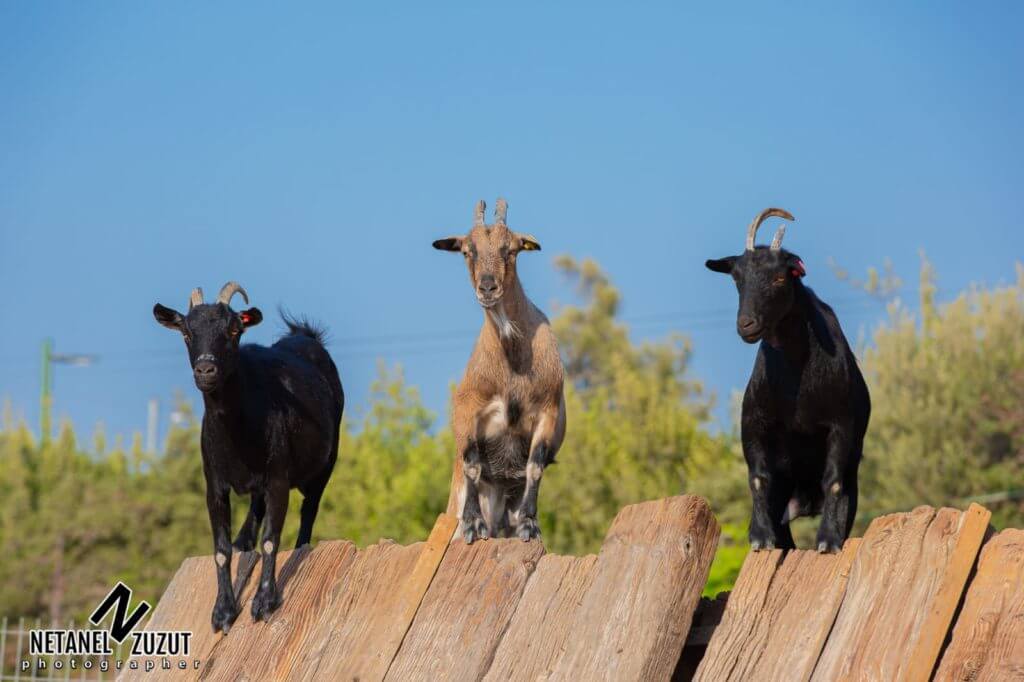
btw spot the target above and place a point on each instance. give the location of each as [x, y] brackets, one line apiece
[509, 407]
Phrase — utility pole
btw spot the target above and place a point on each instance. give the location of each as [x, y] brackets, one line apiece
[151, 425]
[45, 397]
[49, 358]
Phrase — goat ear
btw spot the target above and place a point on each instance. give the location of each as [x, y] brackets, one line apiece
[527, 242]
[169, 318]
[449, 244]
[721, 265]
[250, 317]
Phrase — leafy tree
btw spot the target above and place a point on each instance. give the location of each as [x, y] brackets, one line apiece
[947, 426]
[638, 425]
[392, 476]
[947, 390]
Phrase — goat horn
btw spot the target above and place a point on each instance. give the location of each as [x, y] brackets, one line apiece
[777, 239]
[478, 217]
[761, 217]
[500, 211]
[196, 298]
[229, 290]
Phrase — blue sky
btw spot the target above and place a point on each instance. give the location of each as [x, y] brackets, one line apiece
[312, 152]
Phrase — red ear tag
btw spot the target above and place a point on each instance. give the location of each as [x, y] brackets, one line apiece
[799, 270]
[245, 318]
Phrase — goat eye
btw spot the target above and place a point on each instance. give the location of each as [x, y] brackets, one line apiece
[780, 279]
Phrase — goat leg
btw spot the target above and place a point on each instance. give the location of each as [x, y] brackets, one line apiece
[267, 597]
[247, 534]
[526, 516]
[835, 513]
[218, 504]
[473, 525]
[762, 526]
[310, 506]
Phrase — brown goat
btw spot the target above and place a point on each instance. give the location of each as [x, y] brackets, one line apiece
[509, 412]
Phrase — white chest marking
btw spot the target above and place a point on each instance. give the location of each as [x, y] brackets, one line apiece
[506, 327]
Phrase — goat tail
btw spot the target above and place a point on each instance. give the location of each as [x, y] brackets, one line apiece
[303, 326]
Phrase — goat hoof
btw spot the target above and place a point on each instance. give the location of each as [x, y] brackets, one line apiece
[475, 530]
[829, 542]
[528, 529]
[264, 603]
[224, 614]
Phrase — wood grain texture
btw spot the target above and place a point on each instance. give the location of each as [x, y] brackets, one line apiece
[364, 625]
[925, 656]
[746, 602]
[455, 487]
[360, 610]
[465, 611]
[543, 620]
[415, 586]
[988, 638]
[799, 610]
[647, 582]
[186, 604]
[268, 650]
[806, 578]
[900, 569]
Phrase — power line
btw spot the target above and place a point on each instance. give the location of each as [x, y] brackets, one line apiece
[427, 343]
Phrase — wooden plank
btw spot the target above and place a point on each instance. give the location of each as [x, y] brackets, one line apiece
[988, 639]
[455, 487]
[186, 605]
[365, 623]
[746, 600]
[786, 624]
[543, 619]
[268, 650]
[465, 610]
[973, 528]
[415, 586]
[341, 645]
[900, 570]
[647, 582]
[797, 629]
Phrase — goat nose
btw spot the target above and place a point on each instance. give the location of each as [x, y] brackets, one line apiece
[205, 369]
[487, 284]
[746, 322]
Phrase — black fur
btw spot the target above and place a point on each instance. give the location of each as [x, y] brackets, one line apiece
[806, 406]
[271, 424]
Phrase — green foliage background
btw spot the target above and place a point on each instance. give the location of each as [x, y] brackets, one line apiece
[947, 426]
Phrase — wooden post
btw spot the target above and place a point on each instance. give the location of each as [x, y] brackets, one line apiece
[973, 527]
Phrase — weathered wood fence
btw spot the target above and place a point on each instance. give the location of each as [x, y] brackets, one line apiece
[909, 601]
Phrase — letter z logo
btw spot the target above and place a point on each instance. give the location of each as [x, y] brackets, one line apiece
[122, 626]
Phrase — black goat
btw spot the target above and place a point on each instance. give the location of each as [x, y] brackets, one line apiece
[271, 424]
[806, 406]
